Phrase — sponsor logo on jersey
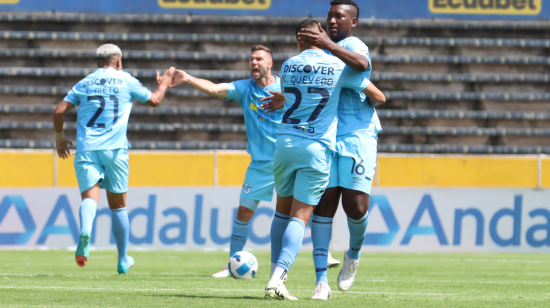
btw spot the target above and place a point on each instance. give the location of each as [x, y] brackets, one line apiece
[306, 68]
[216, 4]
[253, 107]
[305, 128]
[493, 7]
[247, 188]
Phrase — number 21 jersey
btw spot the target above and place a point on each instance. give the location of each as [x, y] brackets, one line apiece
[312, 82]
[105, 99]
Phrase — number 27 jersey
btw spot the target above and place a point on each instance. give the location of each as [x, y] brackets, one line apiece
[105, 99]
[312, 82]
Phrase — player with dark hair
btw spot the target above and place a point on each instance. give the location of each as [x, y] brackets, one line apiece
[354, 165]
[312, 83]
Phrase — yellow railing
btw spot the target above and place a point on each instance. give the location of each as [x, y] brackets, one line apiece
[32, 168]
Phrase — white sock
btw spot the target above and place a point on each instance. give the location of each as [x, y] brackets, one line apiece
[278, 273]
[273, 266]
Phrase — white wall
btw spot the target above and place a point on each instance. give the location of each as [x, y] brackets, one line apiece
[401, 219]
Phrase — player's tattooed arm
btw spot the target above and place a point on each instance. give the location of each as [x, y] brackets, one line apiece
[203, 85]
[321, 40]
[61, 143]
[274, 102]
[164, 82]
[376, 97]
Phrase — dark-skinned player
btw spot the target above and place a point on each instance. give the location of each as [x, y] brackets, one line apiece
[354, 163]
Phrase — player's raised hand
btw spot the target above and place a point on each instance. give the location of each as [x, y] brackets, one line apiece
[167, 77]
[180, 77]
[62, 147]
[318, 39]
[274, 102]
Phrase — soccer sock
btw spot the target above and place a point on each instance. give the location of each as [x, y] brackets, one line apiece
[321, 234]
[88, 208]
[357, 230]
[121, 231]
[278, 228]
[239, 236]
[292, 243]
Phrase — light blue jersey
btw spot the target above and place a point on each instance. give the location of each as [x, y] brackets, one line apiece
[261, 127]
[312, 84]
[354, 113]
[105, 99]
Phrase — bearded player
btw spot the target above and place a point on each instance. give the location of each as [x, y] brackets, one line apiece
[261, 131]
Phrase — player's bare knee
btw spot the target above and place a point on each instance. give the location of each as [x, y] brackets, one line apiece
[284, 204]
[116, 201]
[328, 205]
[244, 213]
[355, 203]
[92, 193]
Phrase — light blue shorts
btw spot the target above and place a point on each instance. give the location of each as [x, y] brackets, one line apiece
[354, 162]
[110, 167]
[302, 168]
[258, 184]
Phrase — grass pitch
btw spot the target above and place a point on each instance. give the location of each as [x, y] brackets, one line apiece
[183, 279]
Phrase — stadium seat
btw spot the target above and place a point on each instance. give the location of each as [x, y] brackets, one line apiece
[425, 69]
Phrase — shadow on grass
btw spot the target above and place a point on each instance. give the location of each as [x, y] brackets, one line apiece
[208, 296]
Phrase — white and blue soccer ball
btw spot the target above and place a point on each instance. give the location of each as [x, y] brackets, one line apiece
[243, 265]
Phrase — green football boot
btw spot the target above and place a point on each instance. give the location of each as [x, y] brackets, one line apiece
[83, 250]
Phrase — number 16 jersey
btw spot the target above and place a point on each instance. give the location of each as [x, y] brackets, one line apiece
[312, 82]
[105, 99]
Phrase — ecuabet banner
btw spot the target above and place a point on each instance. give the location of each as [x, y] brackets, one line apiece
[401, 219]
[381, 9]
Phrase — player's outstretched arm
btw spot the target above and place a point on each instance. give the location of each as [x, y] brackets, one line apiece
[164, 82]
[203, 85]
[376, 97]
[274, 102]
[321, 40]
[61, 143]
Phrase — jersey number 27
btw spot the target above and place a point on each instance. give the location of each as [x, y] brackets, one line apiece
[325, 96]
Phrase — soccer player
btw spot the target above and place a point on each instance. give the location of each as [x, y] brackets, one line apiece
[261, 131]
[104, 99]
[354, 165]
[311, 82]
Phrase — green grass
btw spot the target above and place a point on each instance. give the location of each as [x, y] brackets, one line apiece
[182, 279]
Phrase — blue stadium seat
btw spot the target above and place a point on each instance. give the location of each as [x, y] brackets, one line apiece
[258, 38]
[409, 95]
[238, 112]
[243, 56]
[233, 75]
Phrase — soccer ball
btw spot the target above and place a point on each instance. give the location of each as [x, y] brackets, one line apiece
[243, 265]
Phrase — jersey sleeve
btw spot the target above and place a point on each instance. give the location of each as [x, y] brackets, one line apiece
[72, 97]
[351, 79]
[138, 91]
[236, 89]
[356, 45]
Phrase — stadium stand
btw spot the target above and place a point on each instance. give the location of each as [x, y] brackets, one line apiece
[452, 86]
